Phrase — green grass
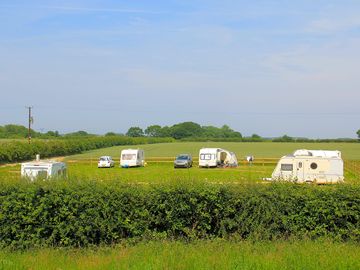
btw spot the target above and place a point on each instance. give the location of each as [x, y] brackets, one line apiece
[216, 254]
[242, 149]
[159, 168]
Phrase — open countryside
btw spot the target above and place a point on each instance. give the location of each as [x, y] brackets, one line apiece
[179, 135]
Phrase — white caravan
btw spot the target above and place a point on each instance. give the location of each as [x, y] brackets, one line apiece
[317, 166]
[43, 169]
[217, 157]
[132, 158]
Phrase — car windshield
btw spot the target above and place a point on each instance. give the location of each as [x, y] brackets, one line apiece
[182, 157]
[103, 159]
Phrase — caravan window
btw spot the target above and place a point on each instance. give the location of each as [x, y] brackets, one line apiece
[287, 167]
[313, 166]
[207, 156]
[128, 156]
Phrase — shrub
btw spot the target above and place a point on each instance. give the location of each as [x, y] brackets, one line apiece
[90, 213]
[13, 151]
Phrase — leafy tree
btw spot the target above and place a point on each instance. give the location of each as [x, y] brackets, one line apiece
[153, 131]
[79, 133]
[16, 131]
[185, 129]
[229, 133]
[52, 133]
[135, 132]
[358, 133]
[255, 136]
[212, 132]
[284, 138]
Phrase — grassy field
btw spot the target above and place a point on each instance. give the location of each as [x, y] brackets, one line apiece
[216, 254]
[159, 168]
[259, 150]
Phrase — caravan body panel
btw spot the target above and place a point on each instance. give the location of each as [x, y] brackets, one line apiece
[43, 169]
[310, 166]
[132, 158]
[216, 157]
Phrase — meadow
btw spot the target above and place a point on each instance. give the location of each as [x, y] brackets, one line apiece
[159, 158]
[215, 254]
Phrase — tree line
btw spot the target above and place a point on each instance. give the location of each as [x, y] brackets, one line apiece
[184, 130]
[189, 131]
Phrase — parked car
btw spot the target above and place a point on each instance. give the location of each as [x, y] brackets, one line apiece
[106, 162]
[183, 161]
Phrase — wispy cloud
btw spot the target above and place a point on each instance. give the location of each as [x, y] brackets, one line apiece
[87, 9]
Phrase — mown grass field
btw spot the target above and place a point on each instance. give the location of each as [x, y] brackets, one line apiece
[216, 254]
[242, 149]
[159, 158]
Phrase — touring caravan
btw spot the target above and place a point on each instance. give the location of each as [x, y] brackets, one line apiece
[45, 169]
[317, 166]
[132, 158]
[216, 157]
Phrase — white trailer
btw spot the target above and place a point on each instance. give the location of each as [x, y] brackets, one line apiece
[132, 158]
[313, 166]
[45, 169]
[216, 157]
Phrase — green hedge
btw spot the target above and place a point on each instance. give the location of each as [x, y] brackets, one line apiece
[82, 214]
[13, 151]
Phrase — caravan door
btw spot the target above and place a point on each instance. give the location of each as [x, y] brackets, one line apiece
[300, 172]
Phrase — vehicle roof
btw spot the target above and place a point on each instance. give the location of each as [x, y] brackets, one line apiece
[131, 150]
[209, 149]
[41, 163]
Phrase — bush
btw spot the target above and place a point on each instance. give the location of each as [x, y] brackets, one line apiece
[83, 214]
[13, 151]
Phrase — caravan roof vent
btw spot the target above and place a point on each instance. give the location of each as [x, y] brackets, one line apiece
[302, 152]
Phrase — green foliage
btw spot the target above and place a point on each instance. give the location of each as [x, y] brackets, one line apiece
[153, 131]
[80, 133]
[16, 131]
[12, 151]
[135, 132]
[284, 138]
[82, 214]
[358, 134]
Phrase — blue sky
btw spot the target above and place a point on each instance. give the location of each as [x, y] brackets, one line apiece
[266, 67]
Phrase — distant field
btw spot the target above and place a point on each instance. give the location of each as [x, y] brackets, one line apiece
[217, 254]
[159, 168]
[259, 150]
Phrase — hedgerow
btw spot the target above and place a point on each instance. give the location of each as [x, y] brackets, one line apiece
[82, 214]
[13, 151]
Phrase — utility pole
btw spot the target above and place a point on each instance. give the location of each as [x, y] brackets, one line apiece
[30, 122]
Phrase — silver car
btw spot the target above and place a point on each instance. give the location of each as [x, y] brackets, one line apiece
[183, 161]
[106, 162]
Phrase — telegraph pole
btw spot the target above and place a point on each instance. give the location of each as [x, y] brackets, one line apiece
[30, 121]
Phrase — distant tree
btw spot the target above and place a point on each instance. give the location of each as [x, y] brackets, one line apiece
[165, 132]
[229, 133]
[16, 131]
[212, 132]
[154, 131]
[255, 136]
[284, 138]
[135, 132]
[110, 133]
[185, 129]
[358, 133]
[80, 133]
[52, 133]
